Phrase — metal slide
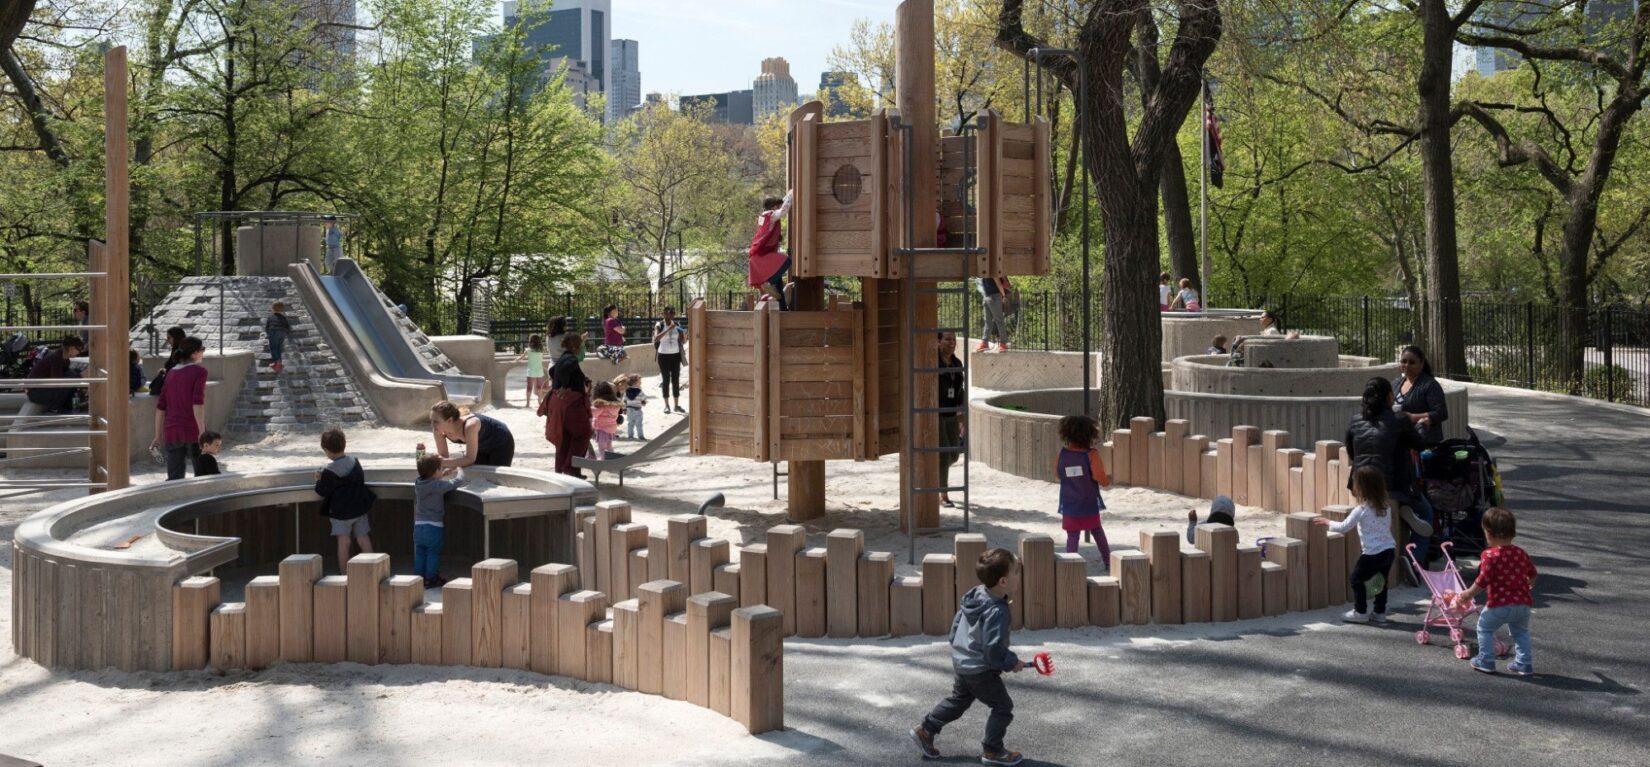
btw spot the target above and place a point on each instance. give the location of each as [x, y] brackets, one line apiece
[369, 319]
[642, 454]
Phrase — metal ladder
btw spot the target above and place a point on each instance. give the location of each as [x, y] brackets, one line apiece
[915, 338]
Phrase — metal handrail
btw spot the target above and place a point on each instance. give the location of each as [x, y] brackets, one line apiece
[53, 327]
[52, 275]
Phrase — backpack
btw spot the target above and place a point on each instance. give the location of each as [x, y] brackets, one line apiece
[155, 383]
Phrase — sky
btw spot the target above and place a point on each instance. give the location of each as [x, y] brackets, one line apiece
[711, 46]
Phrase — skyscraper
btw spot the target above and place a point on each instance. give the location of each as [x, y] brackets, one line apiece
[577, 29]
[773, 90]
[732, 107]
[626, 95]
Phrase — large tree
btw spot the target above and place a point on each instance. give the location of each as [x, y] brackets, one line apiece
[1125, 167]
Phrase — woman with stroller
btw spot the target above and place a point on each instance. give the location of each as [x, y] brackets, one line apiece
[1381, 438]
[1420, 398]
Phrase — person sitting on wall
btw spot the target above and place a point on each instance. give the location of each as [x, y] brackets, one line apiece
[1217, 346]
[768, 262]
[54, 365]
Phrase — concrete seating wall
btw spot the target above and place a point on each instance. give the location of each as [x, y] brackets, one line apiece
[1285, 352]
[1190, 332]
[1208, 374]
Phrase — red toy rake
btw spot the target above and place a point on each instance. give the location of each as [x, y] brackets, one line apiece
[1043, 663]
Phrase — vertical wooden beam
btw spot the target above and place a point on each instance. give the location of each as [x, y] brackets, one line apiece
[626, 638]
[625, 540]
[1105, 601]
[1243, 437]
[914, 94]
[876, 576]
[967, 548]
[696, 377]
[228, 636]
[753, 574]
[683, 529]
[1174, 455]
[263, 621]
[598, 652]
[457, 605]
[1220, 541]
[725, 578]
[115, 307]
[1140, 450]
[842, 551]
[1122, 458]
[1071, 598]
[1290, 554]
[193, 600]
[1195, 595]
[721, 670]
[1250, 587]
[549, 583]
[516, 628]
[784, 541]
[810, 592]
[939, 602]
[298, 574]
[905, 610]
[397, 598]
[1299, 525]
[705, 613]
[332, 619]
[426, 634]
[758, 669]
[365, 573]
[704, 556]
[575, 612]
[656, 600]
[1133, 571]
[1191, 465]
[1038, 581]
[1163, 548]
[1224, 454]
[610, 569]
[675, 677]
[804, 480]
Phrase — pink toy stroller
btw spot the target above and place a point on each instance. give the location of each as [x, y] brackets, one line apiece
[1444, 585]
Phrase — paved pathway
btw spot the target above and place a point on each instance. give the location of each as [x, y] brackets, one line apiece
[1306, 689]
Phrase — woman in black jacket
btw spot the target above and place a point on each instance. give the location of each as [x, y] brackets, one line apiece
[567, 409]
[1379, 437]
[1420, 398]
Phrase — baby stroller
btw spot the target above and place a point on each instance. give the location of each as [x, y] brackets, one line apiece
[1444, 585]
[1461, 481]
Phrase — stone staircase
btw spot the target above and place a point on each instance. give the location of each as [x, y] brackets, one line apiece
[312, 392]
[435, 359]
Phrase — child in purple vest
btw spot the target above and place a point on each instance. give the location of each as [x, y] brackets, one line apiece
[1081, 475]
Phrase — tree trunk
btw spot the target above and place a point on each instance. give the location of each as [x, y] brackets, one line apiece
[1444, 325]
[1131, 334]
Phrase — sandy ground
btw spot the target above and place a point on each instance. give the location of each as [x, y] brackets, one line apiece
[391, 715]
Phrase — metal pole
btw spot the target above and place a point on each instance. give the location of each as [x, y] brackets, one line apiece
[1366, 326]
[1609, 356]
[1529, 344]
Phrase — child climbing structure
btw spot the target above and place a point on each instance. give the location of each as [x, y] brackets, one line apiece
[834, 382]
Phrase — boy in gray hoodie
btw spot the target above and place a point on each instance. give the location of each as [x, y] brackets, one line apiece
[979, 656]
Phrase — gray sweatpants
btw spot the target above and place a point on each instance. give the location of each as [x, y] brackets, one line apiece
[995, 326]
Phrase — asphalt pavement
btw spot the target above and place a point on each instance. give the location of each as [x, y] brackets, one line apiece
[1304, 688]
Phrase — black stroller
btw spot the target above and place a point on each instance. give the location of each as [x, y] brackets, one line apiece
[1461, 481]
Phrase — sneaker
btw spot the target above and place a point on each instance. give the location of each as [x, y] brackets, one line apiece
[925, 743]
[1478, 665]
[1005, 758]
[681, 410]
[1378, 617]
[1353, 616]
[437, 582]
[1521, 669]
[1002, 347]
[982, 347]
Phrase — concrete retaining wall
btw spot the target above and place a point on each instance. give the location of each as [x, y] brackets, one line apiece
[1308, 418]
[1286, 352]
[1190, 332]
[1208, 374]
[1023, 370]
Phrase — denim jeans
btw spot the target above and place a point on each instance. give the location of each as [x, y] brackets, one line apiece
[633, 423]
[277, 343]
[986, 688]
[1517, 620]
[427, 540]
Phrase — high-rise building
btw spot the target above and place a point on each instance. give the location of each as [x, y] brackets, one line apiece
[833, 91]
[773, 90]
[577, 29]
[732, 107]
[626, 94]
[333, 35]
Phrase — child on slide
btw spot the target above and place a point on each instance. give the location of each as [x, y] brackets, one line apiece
[768, 262]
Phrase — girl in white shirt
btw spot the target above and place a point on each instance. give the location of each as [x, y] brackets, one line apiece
[1374, 534]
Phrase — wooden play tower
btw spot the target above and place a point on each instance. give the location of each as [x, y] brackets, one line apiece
[837, 382]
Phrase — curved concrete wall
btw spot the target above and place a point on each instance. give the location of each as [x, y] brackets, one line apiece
[1022, 370]
[1208, 374]
[1286, 352]
[1190, 332]
[1019, 432]
[1307, 419]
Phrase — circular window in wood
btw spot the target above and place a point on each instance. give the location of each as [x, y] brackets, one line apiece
[846, 184]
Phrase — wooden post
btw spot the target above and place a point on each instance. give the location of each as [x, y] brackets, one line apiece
[366, 573]
[1261, 472]
[1336, 567]
[1274, 588]
[675, 677]
[784, 541]
[598, 652]
[626, 539]
[656, 600]
[704, 556]
[1038, 581]
[638, 568]
[626, 626]
[1284, 462]
[114, 305]
[876, 576]
[426, 634]
[584, 546]
[726, 578]
[658, 556]
[705, 613]
[1308, 485]
[1157, 445]
[810, 592]
[1244, 437]
[1250, 588]
[457, 627]
[905, 606]
[1105, 601]
[967, 548]
[721, 669]
[516, 627]
[228, 636]
[1195, 600]
[549, 583]
[842, 550]
[1224, 472]
[1140, 449]
[1191, 465]
[1323, 451]
[1163, 548]
[1174, 455]
[914, 95]
[758, 669]
[397, 597]
[1290, 554]
[1071, 597]
[1133, 570]
[263, 621]
[939, 604]
[1300, 526]
[331, 619]
[753, 575]
[1122, 465]
[298, 574]
[575, 612]
[610, 569]
[1221, 543]
[1211, 475]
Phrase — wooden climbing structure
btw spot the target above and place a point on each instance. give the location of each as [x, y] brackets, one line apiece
[838, 382]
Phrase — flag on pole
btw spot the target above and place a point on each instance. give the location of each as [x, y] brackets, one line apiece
[1211, 138]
